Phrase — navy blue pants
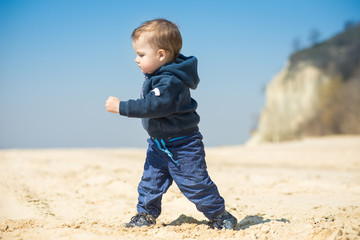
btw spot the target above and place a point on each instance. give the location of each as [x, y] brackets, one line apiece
[181, 160]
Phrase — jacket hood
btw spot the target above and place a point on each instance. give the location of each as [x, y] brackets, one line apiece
[184, 68]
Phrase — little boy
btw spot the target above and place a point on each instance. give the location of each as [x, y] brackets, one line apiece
[175, 151]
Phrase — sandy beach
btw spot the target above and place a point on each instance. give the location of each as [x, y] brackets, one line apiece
[307, 189]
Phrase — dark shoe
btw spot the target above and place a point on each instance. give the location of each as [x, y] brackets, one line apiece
[141, 219]
[224, 220]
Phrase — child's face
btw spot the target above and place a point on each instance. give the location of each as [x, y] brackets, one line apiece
[147, 58]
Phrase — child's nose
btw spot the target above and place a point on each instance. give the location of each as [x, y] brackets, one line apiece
[137, 60]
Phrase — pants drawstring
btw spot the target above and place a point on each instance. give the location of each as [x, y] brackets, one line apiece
[164, 149]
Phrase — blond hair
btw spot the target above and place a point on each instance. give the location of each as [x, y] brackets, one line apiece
[163, 34]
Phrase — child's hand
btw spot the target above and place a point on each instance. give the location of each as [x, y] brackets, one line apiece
[112, 104]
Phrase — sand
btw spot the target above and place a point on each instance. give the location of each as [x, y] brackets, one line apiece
[308, 189]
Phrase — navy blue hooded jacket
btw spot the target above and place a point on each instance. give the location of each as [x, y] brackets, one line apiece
[166, 107]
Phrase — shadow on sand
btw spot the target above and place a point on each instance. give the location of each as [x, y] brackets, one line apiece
[245, 223]
[182, 219]
[249, 221]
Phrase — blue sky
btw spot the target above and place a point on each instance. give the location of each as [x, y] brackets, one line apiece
[61, 59]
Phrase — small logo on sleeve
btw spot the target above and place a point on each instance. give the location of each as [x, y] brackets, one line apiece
[156, 91]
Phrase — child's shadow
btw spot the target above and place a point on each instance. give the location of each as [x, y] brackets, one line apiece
[245, 223]
[182, 219]
[249, 221]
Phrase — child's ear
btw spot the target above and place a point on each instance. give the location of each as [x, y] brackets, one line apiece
[162, 54]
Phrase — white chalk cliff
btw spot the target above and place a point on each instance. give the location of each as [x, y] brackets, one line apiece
[317, 92]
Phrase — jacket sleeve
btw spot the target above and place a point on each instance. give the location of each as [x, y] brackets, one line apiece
[163, 100]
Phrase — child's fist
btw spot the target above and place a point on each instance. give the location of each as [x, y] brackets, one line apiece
[112, 104]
